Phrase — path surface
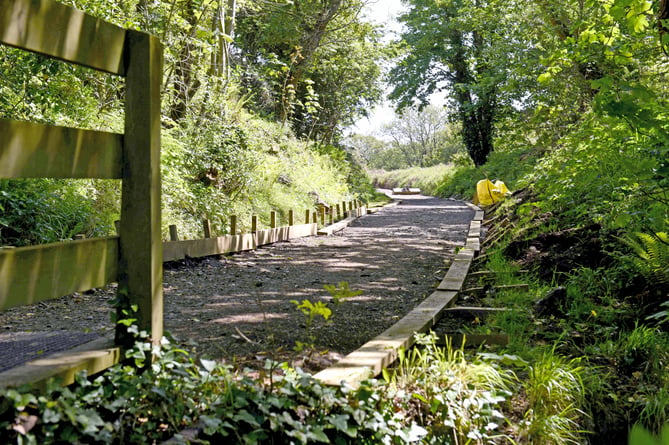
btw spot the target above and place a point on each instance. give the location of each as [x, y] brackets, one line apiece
[238, 307]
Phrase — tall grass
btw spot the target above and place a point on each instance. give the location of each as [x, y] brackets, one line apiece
[427, 179]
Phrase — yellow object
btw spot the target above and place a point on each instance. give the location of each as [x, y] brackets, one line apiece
[488, 193]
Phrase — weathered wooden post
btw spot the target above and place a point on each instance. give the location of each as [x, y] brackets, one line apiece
[314, 215]
[174, 234]
[233, 224]
[331, 213]
[206, 225]
[321, 210]
[254, 223]
[291, 218]
[272, 219]
[338, 211]
[343, 206]
[140, 274]
[307, 213]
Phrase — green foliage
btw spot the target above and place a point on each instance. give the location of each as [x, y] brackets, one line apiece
[511, 165]
[457, 400]
[554, 390]
[341, 292]
[652, 256]
[135, 405]
[43, 211]
[640, 436]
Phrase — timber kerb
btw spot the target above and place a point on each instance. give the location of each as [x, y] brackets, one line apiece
[380, 352]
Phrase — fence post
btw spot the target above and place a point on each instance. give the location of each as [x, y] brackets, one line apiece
[174, 235]
[206, 225]
[331, 213]
[321, 210]
[233, 224]
[254, 223]
[344, 208]
[314, 215]
[338, 211]
[307, 213]
[140, 274]
[291, 218]
[272, 219]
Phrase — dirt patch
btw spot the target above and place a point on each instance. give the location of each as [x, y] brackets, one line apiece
[560, 252]
[239, 308]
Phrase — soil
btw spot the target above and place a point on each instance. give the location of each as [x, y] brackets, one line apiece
[240, 308]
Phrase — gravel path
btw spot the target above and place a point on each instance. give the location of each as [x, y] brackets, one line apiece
[238, 308]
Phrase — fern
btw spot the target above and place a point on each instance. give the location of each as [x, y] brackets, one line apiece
[652, 255]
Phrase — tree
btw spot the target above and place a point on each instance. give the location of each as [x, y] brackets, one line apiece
[424, 137]
[313, 64]
[447, 46]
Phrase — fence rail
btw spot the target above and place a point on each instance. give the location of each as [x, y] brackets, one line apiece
[33, 150]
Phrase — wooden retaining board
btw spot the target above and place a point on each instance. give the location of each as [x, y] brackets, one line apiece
[92, 357]
[336, 227]
[473, 340]
[474, 229]
[36, 273]
[473, 244]
[457, 273]
[178, 250]
[370, 359]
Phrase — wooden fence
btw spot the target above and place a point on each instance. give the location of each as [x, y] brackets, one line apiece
[33, 150]
[135, 257]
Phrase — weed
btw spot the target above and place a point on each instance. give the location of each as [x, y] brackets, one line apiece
[457, 399]
[311, 311]
[640, 436]
[554, 390]
[341, 292]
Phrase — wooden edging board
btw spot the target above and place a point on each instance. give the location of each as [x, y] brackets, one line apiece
[369, 360]
[92, 357]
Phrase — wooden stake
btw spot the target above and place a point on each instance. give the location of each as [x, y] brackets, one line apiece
[206, 225]
[174, 235]
[233, 224]
[272, 219]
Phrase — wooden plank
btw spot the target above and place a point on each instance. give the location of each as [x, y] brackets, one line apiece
[455, 277]
[464, 254]
[141, 256]
[37, 273]
[476, 310]
[178, 250]
[479, 215]
[56, 30]
[473, 244]
[270, 236]
[474, 340]
[336, 227]
[29, 150]
[474, 229]
[92, 357]
[370, 359]
[301, 230]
